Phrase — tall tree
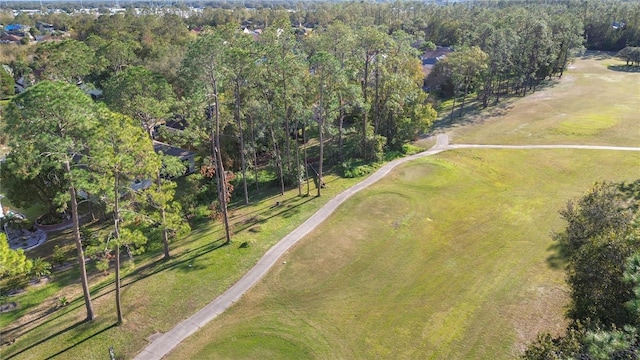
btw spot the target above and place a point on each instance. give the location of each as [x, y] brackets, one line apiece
[284, 71]
[114, 55]
[329, 85]
[239, 67]
[160, 206]
[120, 153]
[339, 40]
[67, 60]
[51, 125]
[370, 45]
[568, 40]
[143, 95]
[400, 100]
[203, 65]
[147, 97]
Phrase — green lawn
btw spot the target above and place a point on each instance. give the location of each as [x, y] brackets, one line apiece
[448, 257]
[592, 104]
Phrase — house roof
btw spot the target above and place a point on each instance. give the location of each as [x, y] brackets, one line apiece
[178, 123]
[431, 57]
[11, 38]
[14, 27]
[172, 150]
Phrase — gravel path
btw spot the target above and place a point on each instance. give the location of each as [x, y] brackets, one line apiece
[164, 343]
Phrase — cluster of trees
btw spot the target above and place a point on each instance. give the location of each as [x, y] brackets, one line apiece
[242, 98]
[89, 153]
[601, 243]
[630, 54]
[367, 76]
[509, 53]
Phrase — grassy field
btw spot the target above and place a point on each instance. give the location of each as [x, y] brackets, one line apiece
[595, 103]
[448, 257]
[156, 294]
[451, 256]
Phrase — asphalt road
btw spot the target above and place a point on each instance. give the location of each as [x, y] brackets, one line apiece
[164, 343]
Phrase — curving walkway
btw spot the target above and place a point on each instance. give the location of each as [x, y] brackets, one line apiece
[163, 344]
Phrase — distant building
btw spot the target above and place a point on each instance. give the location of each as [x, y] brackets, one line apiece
[429, 59]
[187, 157]
[44, 27]
[12, 28]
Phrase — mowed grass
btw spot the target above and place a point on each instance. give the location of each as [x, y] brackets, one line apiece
[448, 257]
[156, 294]
[592, 104]
[429, 271]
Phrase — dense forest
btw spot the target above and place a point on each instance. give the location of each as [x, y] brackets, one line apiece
[260, 93]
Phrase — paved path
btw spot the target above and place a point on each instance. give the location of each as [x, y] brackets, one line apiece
[166, 342]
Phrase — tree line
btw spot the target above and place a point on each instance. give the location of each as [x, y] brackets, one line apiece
[260, 91]
[508, 53]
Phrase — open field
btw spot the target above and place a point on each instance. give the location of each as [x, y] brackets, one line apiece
[156, 294]
[447, 257]
[593, 104]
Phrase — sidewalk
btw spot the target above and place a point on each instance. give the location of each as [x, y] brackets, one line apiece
[163, 344]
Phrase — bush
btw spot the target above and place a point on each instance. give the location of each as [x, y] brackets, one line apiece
[353, 169]
[293, 177]
[40, 268]
[59, 256]
[52, 219]
[16, 282]
[409, 149]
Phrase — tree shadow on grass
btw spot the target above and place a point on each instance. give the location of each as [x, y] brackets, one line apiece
[47, 315]
[81, 341]
[183, 259]
[624, 68]
[558, 258]
[56, 334]
[287, 211]
[31, 325]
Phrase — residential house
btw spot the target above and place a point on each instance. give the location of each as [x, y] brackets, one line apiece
[187, 157]
[429, 59]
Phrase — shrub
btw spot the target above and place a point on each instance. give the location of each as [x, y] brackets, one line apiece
[409, 149]
[354, 169]
[40, 268]
[103, 265]
[59, 256]
[15, 283]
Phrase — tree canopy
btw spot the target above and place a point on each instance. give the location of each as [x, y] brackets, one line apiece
[12, 262]
[602, 245]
